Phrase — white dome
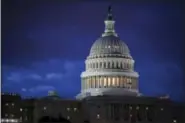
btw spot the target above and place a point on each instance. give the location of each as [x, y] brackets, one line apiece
[110, 45]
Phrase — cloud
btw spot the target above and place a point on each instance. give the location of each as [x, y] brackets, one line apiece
[15, 76]
[50, 76]
[40, 88]
[34, 76]
[21, 76]
[42, 76]
[24, 89]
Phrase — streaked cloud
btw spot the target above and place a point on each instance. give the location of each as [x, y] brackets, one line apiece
[43, 76]
[24, 89]
[15, 76]
[21, 76]
[40, 88]
[50, 76]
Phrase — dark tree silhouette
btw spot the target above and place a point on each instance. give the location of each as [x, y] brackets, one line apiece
[48, 119]
[86, 121]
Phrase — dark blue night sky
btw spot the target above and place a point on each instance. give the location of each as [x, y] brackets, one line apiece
[45, 43]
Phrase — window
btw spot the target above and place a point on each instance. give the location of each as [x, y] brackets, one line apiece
[45, 108]
[121, 65]
[100, 64]
[174, 121]
[75, 109]
[117, 65]
[68, 109]
[108, 64]
[130, 107]
[96, 65]
[104, 64]
[137, 108]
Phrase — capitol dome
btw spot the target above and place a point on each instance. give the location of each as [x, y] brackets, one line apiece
[110, 45]
[109, 68]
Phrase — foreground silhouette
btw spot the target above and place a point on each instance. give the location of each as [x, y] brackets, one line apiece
[48, 119]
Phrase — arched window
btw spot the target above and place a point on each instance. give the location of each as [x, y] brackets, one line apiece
[121, 65]
[104, 64]
[117, 65]
[108, 65]
[100, 64]
[112, 64]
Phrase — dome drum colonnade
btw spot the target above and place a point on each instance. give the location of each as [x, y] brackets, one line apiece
[109, 66]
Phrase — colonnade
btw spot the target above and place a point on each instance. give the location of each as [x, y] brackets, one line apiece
[109, 82]
[109, 65]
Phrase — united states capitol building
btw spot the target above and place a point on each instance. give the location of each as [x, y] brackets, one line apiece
[109, 66]
[109, 92]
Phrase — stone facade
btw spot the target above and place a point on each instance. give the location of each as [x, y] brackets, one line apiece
[94, 109]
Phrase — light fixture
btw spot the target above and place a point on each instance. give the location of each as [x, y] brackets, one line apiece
[137, 107]
[21, 109]
[98, 116]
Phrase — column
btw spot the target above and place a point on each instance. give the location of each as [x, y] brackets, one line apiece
[109, 81]
[104, 81]
[82, 83]
[89, 82]
[97, 81]
[117, 81]
[85, 86]
[122, 83]
[92, 80]
[100, 82]
[113, 81]
[95, 85]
